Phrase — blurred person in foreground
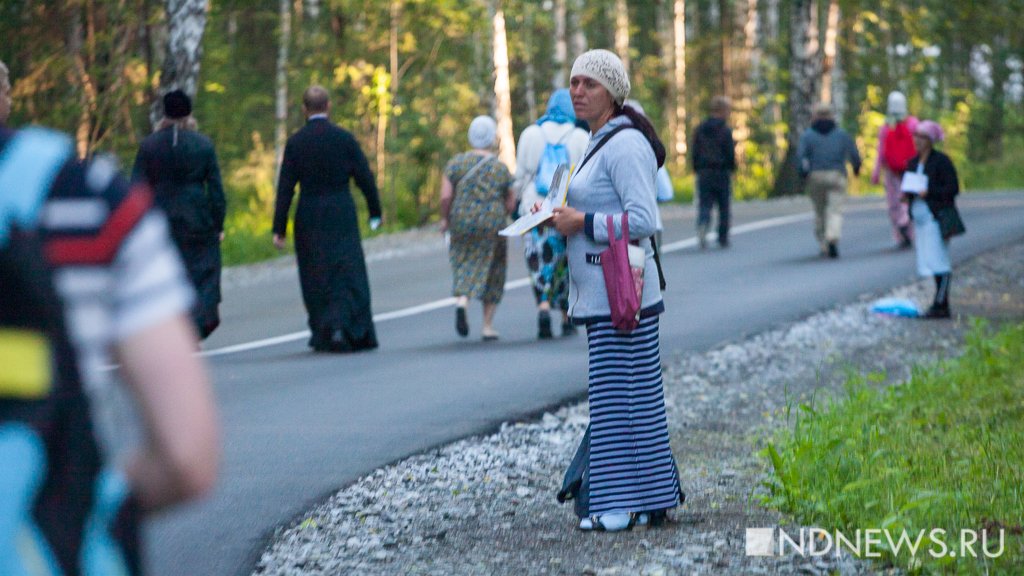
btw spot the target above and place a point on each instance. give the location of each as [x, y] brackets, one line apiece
[713, 157]
[476, 198]
[822, 153]
[321, 158]
[83, 460]
[180, 165]
[552, 141]
[934, 213]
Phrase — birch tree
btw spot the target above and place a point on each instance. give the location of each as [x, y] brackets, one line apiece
[622, 32]
[749, 63]
[828, 63]
[679, 79]
[560, 54]
[725, 20]
[502, 92]
[804, 72]
[284, 40]
[186, 22]
[579, 37]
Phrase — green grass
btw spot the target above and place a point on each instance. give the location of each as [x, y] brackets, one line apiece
[944, 450]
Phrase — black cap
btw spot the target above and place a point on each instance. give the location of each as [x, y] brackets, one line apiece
[177, 104]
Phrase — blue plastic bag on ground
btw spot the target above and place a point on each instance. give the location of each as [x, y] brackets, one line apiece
[896, 307]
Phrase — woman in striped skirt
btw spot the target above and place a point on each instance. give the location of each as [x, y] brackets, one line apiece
[631, 471]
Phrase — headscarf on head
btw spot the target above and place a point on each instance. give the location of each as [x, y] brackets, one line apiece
[607, 69]
[896, 107]
[559, 108]
[482, 132]
[931, 130]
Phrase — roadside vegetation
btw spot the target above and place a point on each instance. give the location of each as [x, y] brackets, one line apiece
[943, 450]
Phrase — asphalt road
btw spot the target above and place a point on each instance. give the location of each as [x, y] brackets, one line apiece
[298, 426]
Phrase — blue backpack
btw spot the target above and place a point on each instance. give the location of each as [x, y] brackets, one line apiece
[555, 154]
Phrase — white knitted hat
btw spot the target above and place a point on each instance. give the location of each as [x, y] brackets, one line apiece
[606, 68]
[896, 105]
[482, 131]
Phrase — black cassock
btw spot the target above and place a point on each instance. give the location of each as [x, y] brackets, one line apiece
[181, 166]
[321, 158]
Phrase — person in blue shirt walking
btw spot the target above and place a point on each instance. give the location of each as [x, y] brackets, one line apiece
[823, 152]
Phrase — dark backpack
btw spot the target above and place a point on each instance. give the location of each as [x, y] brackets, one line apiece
[898, 147]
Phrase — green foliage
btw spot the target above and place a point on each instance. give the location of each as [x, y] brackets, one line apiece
[91, 69]
[943, 450]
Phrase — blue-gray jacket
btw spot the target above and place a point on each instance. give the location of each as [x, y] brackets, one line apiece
[620, 177]
[825, 146]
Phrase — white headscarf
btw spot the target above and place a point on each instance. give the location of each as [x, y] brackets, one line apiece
[482, 132]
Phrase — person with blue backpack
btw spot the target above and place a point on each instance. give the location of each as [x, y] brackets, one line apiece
[552, 141]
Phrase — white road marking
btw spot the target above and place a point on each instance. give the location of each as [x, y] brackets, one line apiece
[524, 282]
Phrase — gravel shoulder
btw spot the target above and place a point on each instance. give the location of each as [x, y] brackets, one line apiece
[485, 505]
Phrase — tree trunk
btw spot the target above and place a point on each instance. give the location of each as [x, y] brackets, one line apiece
[622, 32]
[679, 80]
[996, 124]
[530, 72]
[804, 88]
[186, 21]
[560, 56]
[502, 95]
[725, 21]
[79, 76]
[665, 51]
[396, 20]
[281, 101]
[579, 37]
[829, 61]
[749, 67]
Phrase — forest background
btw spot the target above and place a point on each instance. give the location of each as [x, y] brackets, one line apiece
[407, 76]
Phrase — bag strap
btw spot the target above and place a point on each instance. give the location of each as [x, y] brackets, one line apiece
[610, 223]
[599, 146]
[479, 163]
[657, 261]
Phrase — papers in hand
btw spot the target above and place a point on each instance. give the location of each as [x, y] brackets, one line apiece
[556, 197]
[914, 183]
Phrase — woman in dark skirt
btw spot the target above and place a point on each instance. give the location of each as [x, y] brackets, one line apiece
[629, 475]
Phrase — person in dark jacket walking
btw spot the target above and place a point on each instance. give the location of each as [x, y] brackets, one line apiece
[180, 165]
[823, 152]
[934, 213]
[714, 160]
[322, 158]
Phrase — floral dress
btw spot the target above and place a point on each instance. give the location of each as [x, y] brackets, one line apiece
[477, 254]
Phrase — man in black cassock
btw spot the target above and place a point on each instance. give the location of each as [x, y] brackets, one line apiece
[181, 166]
[322, 158]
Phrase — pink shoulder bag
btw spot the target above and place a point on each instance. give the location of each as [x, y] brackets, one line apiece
[623, 267]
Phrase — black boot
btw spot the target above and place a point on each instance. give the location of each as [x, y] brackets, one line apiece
[905, 241]
[940, 306]
[544, 325]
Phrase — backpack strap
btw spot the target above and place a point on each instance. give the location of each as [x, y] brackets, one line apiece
[28, 166]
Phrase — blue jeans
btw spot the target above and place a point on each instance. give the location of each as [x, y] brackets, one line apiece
[714, 187]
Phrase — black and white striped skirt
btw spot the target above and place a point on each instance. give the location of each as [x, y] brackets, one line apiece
[631, 464]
